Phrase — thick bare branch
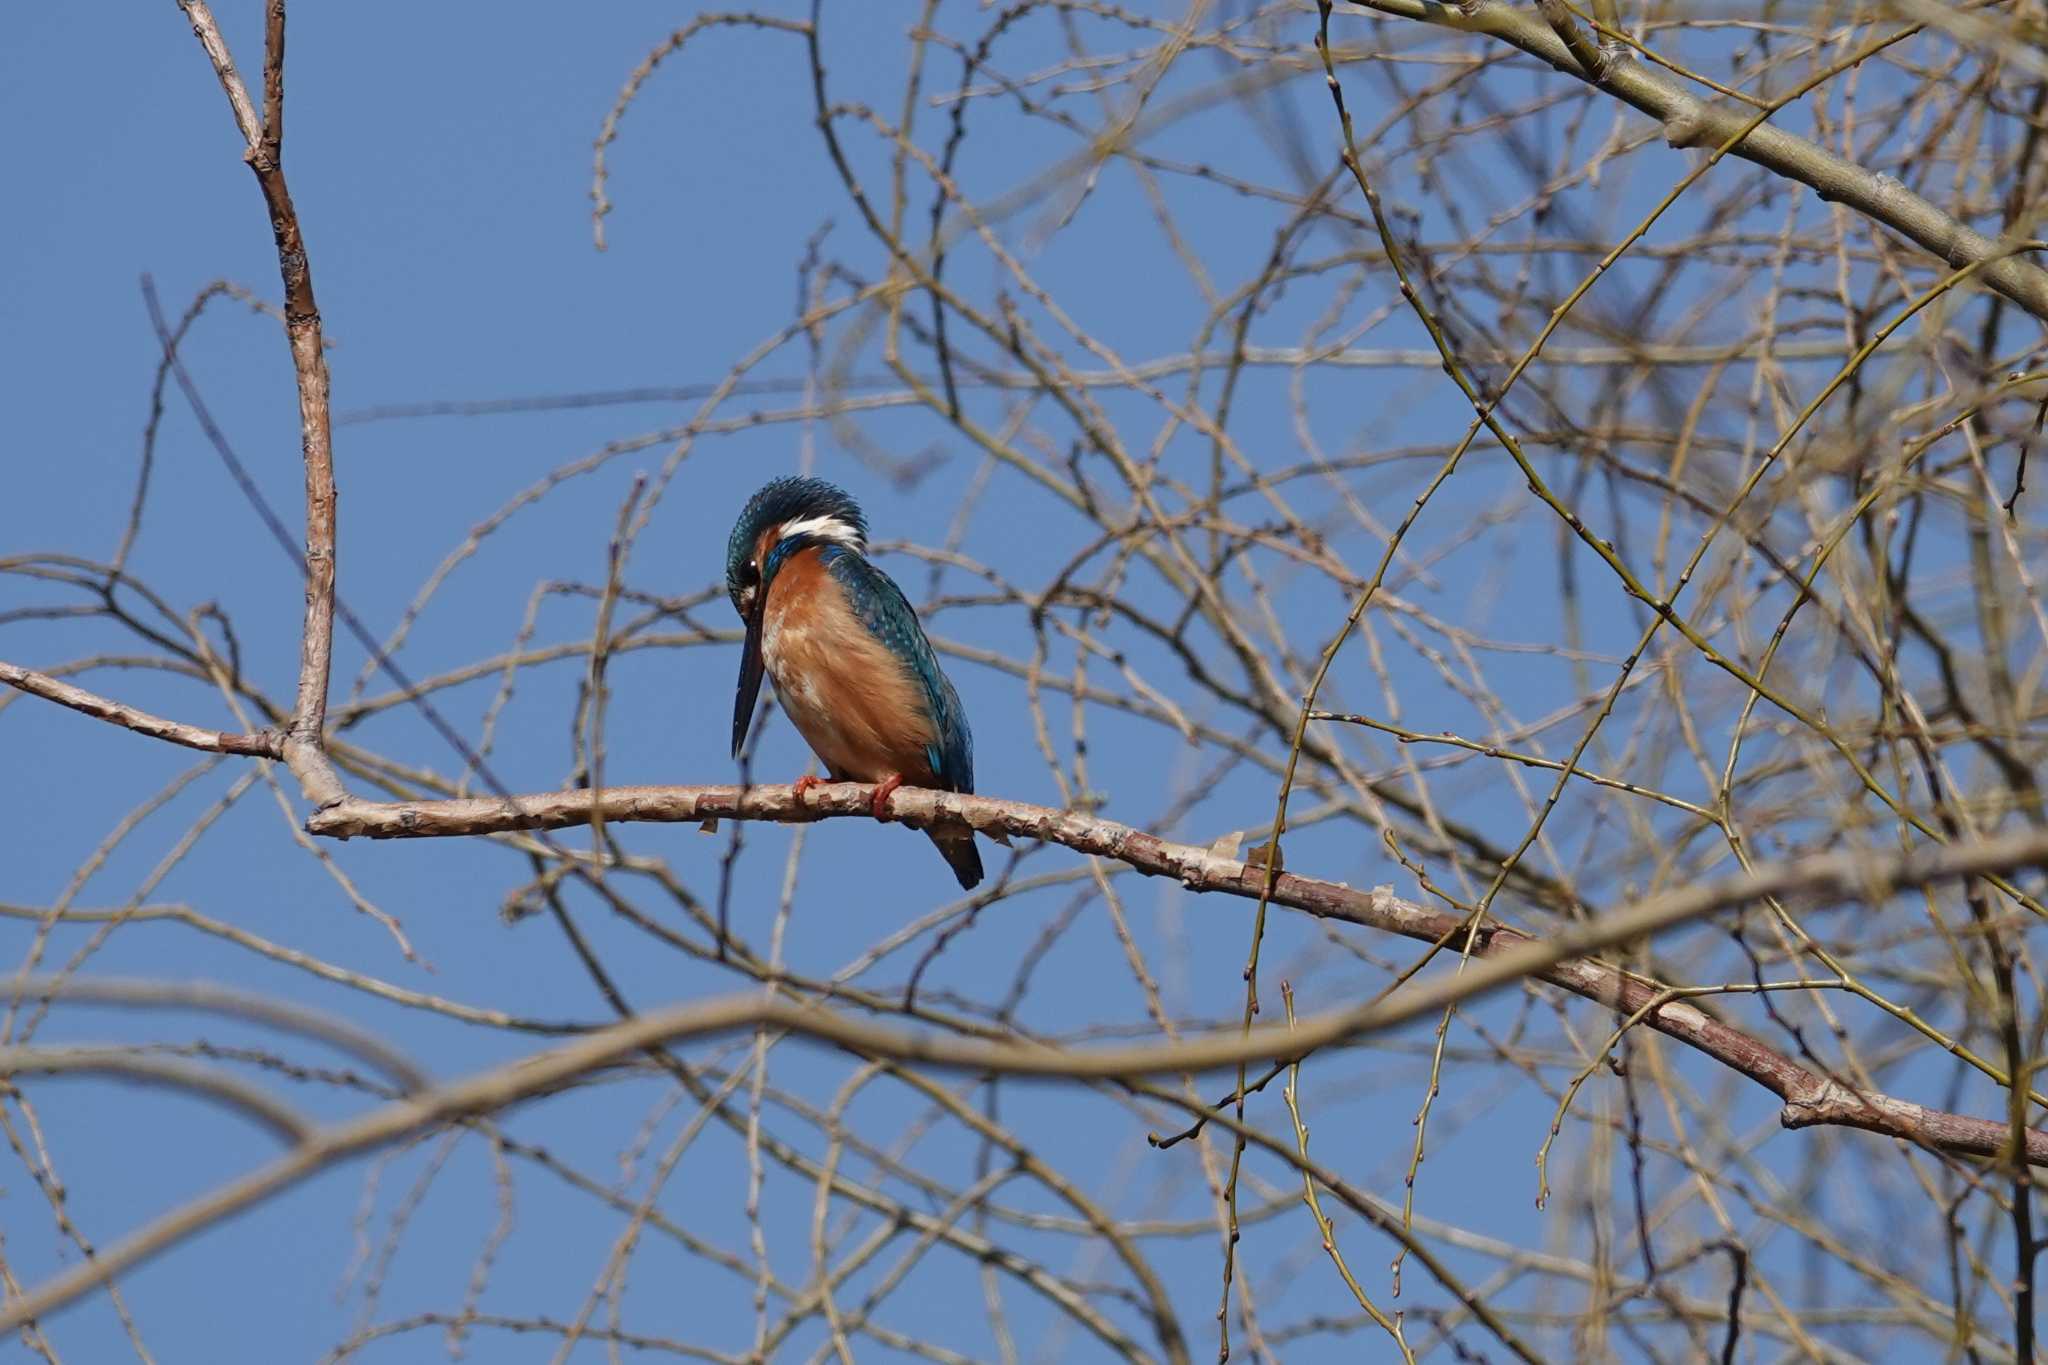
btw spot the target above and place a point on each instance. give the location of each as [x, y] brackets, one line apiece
[263, 744]
[1690, 122]
[205, 997]
[1810, 1097]
[506, 1085]
[1712, 831]
[304, 745]
[131, 1065]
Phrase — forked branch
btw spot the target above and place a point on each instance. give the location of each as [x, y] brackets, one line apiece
[1810, 1096]
[303, 747]
[1689, 121]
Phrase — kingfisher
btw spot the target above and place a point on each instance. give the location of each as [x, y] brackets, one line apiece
[851, 665]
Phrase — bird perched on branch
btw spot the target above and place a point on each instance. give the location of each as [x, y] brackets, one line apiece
[850, 663]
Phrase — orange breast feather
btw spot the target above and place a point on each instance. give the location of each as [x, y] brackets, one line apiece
[857, 705]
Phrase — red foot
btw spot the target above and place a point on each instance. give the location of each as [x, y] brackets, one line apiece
[805, 783]
[881, 797]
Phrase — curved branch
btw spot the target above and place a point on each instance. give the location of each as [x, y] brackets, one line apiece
[261, 744]
[143, 993]
[230, 1091]
[1691, 122]
[304, 746]
[1810, 1097]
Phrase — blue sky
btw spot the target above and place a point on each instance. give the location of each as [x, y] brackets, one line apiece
[440, 159]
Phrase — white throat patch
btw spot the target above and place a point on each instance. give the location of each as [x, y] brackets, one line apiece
[823, 528]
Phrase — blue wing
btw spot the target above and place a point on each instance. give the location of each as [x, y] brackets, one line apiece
[883, 609]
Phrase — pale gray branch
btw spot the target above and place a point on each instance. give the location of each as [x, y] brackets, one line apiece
[262, 744]
[1810, 1098]
[1563, 959]
[145, 993]
[174, 1073]
[1690, 122]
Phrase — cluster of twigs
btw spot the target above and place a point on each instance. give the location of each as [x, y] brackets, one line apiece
[1678, 658]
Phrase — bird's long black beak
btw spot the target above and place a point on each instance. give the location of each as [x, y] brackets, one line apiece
[750, 675]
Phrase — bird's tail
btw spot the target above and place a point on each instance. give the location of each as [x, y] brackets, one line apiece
[956, 846]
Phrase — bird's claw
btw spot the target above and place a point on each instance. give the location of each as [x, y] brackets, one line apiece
[881, 798]
[803, 785]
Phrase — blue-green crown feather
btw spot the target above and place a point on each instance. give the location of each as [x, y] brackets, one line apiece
[794, 498]
[876, 600]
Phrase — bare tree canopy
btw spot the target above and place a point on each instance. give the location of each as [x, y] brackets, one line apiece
[1489, 550]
